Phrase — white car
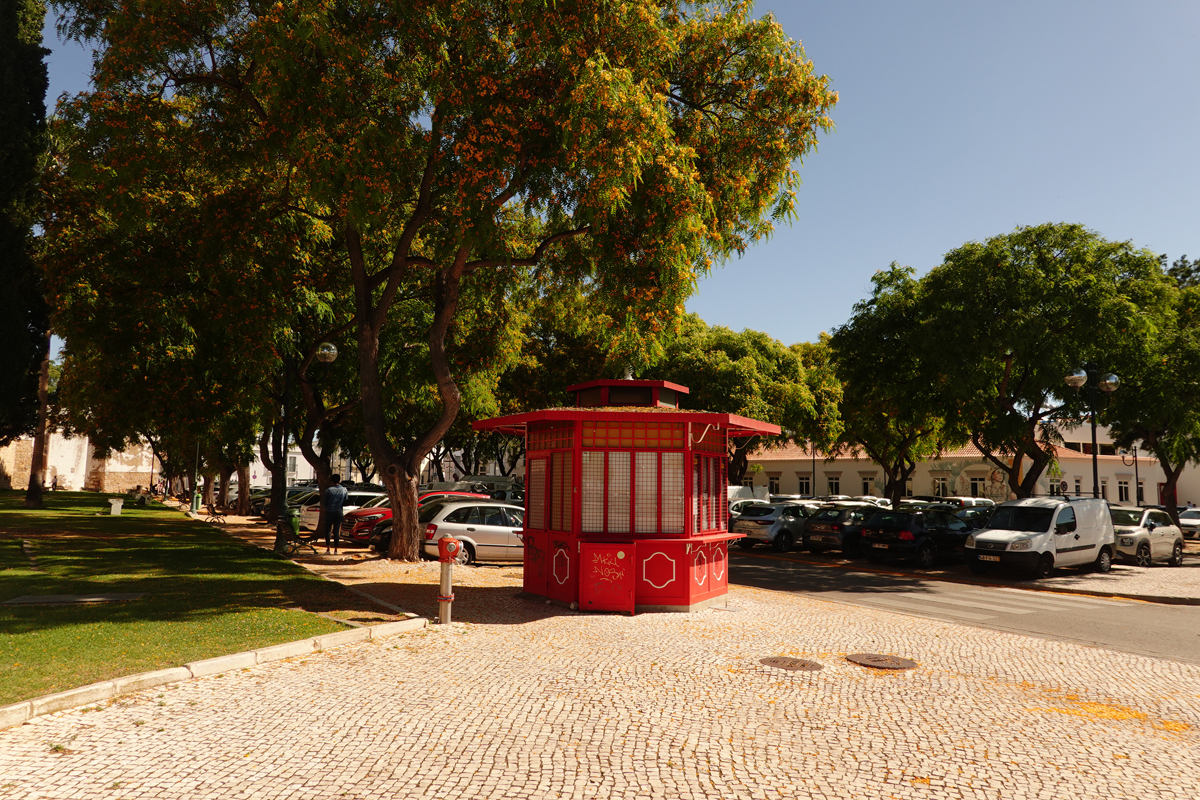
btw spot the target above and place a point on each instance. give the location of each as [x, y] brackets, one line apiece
[1189, 522]
[488, 530]
[310, 514]
[1146, 535]
[1037, 534]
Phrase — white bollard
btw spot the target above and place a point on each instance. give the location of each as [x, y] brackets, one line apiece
[116, 503]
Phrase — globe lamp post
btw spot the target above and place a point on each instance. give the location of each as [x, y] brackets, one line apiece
[1095, 379]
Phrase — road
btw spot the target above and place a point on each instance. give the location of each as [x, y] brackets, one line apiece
[1129, 626]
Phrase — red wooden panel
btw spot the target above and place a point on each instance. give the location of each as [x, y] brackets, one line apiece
[661, 573]
[563, 580]
[607, 577]
[718, 562]
[537, 563]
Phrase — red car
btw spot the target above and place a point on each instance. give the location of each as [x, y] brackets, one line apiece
[358, 524]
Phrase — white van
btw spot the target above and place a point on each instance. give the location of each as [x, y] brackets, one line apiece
[1038, 534]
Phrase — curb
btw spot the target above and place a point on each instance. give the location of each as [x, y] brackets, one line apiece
[18, 713]
[1145, 598]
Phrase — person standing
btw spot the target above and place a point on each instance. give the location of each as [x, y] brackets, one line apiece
[333, 500]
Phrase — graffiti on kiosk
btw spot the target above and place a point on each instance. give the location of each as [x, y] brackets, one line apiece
[605, 567]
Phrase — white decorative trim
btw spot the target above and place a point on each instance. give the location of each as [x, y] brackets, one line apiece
[718, 557]
[646, 561]
[703, 576]
[567, 561]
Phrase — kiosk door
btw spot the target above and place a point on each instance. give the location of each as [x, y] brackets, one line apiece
[606, 578]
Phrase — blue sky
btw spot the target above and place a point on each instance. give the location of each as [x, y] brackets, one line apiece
[958, 121]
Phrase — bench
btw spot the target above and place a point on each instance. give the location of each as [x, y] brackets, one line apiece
[289, 542]
[214, 514]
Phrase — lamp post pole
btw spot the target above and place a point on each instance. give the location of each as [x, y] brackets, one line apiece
[1094, 377]
[196, 481]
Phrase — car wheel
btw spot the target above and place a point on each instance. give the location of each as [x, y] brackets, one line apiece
[782, 542]
[746, 544]
[977, 567]
[1044, 567]
[1103, 561]
[1176, 559]
[466, 555]
[1142, 557]
[925, 557]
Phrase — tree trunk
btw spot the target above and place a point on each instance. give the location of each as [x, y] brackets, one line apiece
[243, 503]
[223, 487]
[37, 467]
[739, 461]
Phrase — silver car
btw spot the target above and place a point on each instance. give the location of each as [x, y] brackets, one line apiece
[1189, 521]
[489, 531]
[1146, 535]
[780, 525]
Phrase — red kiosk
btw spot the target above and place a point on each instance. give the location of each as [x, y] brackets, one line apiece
[625, 501]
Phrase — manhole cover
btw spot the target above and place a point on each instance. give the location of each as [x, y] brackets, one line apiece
[878, 661]
[791, 664]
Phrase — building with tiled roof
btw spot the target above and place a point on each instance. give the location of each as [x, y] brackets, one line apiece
[965, 472]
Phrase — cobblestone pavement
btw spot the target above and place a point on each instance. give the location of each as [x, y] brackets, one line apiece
[532, 701]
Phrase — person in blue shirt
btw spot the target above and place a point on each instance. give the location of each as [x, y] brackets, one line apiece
[333, 500]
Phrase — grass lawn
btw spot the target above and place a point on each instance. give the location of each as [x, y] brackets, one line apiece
[206, 594]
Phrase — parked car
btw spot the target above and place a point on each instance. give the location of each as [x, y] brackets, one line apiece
[957, 502]
[361, 525]
[837, 527]
[736, 506]
[358, 524]
[482, 538]
[976, 517]
[514, 497]
[921, 535]
[310, 512]
[1037, 534]
[488, 531]
[780, 525]
[260, 503]
[1146, 535]
[873, 500]
[1189, 522]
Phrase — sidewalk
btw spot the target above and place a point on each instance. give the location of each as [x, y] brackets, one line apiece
[534, 701]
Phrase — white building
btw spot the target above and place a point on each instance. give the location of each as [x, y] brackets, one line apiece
[965, 471]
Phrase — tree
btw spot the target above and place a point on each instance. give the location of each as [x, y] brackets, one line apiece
[753, 375]
[1007, 318]
[1156, 404]
[893, 408]
[623, 147]
[1185, 273]
[24, 324]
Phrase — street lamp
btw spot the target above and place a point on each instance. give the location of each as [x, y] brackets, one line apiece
[1137, 480]
[1091, 376]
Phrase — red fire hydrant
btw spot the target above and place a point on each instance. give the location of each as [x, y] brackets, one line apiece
[448, 550]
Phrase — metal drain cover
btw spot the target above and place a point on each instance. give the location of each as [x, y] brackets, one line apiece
[877, 661]
[791, 664]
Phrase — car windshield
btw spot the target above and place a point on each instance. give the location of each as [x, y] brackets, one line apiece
[1191, 514]
[379, 502]
[758, 511]
[1021, 518]
[428, 512]
[827, 514]
[1123, 516]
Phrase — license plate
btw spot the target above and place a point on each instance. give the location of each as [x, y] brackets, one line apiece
[880, 546]
[989, 558]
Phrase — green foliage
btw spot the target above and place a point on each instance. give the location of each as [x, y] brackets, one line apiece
[1007, 318]
[753, 375]
[894, 407]
[23, 314]
[1156, 404]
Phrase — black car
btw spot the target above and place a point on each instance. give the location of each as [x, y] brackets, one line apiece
[920, 535]
[837, 528]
